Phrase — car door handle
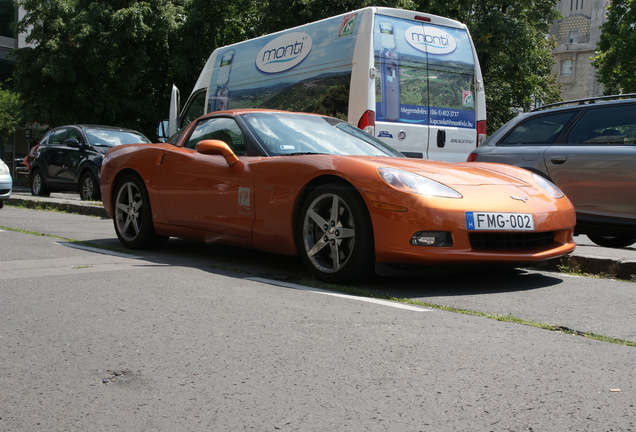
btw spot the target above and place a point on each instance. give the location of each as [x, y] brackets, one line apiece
[441, 138]
[558, 160]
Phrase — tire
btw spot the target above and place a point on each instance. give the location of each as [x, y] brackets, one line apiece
[132, 215]
[612, 241]
[1, 204]
[335, 235]
[89, 188]
[38, 187]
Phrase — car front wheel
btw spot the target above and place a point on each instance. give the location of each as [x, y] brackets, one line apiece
[89, 189]
[612, 241]
[335, 235]
[132, 215]
[38, 187]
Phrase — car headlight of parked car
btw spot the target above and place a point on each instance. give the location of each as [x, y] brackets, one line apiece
[416, 184]
[548, 186]
[4, 169]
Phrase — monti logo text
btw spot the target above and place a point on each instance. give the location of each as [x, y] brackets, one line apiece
[433, 40]
[284, 52]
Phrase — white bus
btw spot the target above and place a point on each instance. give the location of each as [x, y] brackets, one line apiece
[409, 78]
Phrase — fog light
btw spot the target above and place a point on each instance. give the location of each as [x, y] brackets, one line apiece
[432, 238]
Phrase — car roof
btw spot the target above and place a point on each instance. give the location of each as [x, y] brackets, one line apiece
[91, 126]
[601, 100]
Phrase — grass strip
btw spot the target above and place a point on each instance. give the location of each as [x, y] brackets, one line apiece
[497, 317]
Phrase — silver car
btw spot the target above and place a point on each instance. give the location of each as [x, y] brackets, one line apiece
[6, 183]
[588, 149]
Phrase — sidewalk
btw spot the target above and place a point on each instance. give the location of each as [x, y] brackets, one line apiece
[587, 257]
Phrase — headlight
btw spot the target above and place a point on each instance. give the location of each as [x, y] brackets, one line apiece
[548, 186]
[4, 169]
[412, 183]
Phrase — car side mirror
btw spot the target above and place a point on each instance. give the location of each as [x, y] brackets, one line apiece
[216, 147]
[73, 142]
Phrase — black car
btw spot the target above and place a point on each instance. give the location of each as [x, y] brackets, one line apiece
[70, 157]
[587, 148]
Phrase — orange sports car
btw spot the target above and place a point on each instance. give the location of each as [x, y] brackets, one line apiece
[295, 183]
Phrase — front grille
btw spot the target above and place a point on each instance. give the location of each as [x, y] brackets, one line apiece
[519, 240]
[4, 191]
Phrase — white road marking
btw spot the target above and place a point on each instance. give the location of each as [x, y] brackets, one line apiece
[335, 294]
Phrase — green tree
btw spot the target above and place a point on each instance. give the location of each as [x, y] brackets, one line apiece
[104, 62]
[207, 25]
[615, 58]
[10, 117]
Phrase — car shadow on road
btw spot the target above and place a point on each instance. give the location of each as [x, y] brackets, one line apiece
[462, 282]
[413, 283]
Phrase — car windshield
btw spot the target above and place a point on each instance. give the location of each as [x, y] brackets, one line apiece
[291, 134]
[111, 138]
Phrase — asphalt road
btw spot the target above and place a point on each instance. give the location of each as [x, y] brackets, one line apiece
[175, 339]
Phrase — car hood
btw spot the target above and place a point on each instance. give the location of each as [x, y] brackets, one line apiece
[459, 174]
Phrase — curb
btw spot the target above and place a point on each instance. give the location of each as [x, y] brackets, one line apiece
[608, 267]
[83, 209]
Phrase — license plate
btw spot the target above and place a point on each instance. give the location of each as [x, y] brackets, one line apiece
[492, 221]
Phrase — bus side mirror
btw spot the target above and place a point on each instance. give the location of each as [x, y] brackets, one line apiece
[162, 131]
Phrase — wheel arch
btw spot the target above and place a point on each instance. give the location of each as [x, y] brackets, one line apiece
[314, 184]
[118, 177]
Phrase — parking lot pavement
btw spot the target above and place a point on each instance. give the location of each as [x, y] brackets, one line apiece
[587, 257]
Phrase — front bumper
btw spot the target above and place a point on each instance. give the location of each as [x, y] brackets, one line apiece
[6, 186]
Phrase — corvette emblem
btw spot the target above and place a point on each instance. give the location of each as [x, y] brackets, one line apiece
[524, 199]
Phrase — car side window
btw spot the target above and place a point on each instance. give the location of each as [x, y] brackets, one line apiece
[194, 110]
[543, 129]
[614, 125]
[74, 133]
[57, 137]
[45, 140]
[219, 128]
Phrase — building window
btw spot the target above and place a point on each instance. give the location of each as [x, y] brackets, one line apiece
[566, 67]
[7, 17]
[572, 35]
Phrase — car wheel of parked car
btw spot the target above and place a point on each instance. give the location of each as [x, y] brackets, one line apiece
[132, 215]
[336, 236]
[89, 189]
[1, 204]
[38, 187]
[612, 241]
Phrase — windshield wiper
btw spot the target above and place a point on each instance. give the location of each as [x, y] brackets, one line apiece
[302, 153]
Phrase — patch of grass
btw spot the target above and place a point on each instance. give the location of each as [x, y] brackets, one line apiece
[576, 271]
[68, 240]
[65, 207]
[34, 205]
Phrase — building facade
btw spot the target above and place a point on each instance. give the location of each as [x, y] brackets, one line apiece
[16, 145]
[577, 34]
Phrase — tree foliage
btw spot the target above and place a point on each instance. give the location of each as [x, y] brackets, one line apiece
[615, 58]
[114, 61]
[104, 62]
[10, 117]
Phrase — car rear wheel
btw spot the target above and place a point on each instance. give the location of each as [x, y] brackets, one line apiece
[89, 189]
[612, 241]
[132, 215]
[38, 187]
[335, 235]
